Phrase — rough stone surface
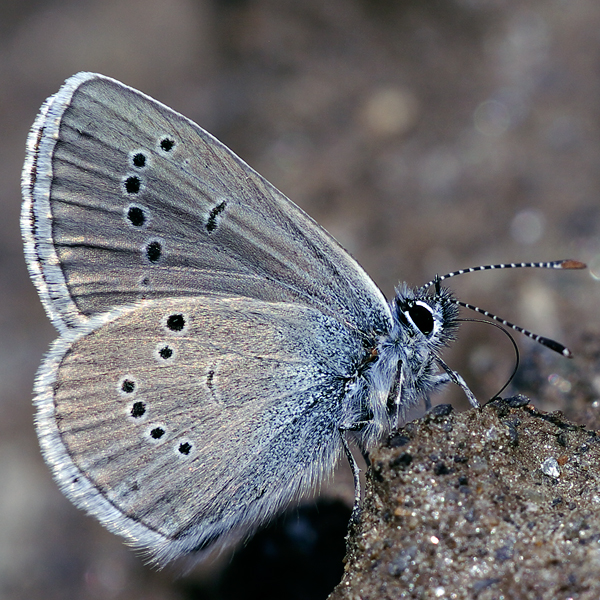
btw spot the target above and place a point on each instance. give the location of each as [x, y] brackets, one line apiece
[501, 502]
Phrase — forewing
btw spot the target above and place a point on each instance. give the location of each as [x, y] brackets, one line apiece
[126, 199]
[183, 424]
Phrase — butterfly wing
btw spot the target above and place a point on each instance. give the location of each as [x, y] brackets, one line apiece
[125, 199]
[183, 424]
[209, 327]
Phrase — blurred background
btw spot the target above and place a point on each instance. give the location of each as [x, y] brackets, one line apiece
[425, 136]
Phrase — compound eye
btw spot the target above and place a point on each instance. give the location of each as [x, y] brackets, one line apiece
[421, 316]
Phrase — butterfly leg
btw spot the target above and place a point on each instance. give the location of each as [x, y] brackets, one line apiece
[356, 475]
[356, 509]
[427, 401]
[454, 377]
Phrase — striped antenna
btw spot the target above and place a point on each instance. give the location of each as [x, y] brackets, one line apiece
[557, 264]
[552, 344]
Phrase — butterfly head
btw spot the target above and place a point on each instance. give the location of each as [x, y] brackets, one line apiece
[425, 319]
[424, 323]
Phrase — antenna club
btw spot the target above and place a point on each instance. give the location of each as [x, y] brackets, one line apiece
[571, 264]
[554, 345]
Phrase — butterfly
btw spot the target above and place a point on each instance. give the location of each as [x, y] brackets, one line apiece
[217, 346]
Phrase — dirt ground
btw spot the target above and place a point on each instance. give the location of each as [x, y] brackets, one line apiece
[425, 136]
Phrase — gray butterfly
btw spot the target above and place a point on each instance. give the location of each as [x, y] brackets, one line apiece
[216, 344]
